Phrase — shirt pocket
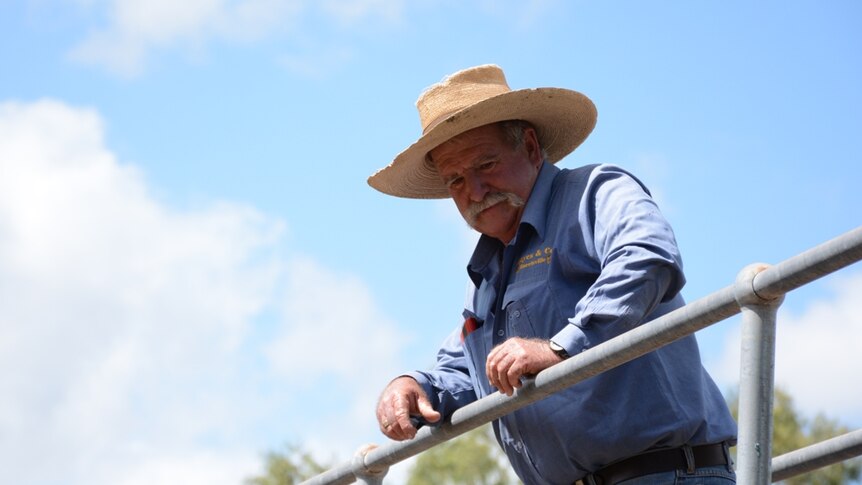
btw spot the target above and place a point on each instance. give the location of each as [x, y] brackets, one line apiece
[522, 308]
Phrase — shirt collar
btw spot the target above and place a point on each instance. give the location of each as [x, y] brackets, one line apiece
[533, 216]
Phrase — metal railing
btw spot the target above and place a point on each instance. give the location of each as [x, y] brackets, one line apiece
[757, 293]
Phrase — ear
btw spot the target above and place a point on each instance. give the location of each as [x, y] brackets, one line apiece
[531, 145]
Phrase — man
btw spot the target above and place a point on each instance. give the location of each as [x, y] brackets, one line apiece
[567, 260]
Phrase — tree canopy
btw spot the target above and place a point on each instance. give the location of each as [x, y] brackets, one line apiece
[473, 458]
[287, 468]
[792, 431]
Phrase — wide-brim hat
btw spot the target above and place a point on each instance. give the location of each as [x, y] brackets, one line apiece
[475, 97]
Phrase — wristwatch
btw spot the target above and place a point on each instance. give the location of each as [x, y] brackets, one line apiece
[557, 349]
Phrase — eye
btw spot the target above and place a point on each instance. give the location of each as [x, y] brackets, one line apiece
[455, 182]
[487, 165]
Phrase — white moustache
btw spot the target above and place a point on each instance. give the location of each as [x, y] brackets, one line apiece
[491, 200]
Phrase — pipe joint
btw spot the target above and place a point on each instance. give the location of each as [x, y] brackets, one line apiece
[365, 474]
[744, 290]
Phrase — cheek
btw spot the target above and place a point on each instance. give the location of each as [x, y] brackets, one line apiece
[523, 184]
[461, 201]
[462, 205]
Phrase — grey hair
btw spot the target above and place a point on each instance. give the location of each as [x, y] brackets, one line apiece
[513, 131]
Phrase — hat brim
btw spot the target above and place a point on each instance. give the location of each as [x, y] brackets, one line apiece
[563, 120]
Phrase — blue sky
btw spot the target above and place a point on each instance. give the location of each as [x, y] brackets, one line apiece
[193, 270]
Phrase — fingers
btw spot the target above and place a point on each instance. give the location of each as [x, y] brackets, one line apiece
[512, 376]
[426, 411]
[393, 415]
[504, 371]
[402, 398]
[501, 363]
[515, 358]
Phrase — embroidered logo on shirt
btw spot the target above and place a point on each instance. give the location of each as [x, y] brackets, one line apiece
[539, 256]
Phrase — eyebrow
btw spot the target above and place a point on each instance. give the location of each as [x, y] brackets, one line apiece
[482, 159]
[473, 165]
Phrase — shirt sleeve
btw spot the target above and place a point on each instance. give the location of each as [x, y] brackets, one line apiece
[622, 229]
[448, 384]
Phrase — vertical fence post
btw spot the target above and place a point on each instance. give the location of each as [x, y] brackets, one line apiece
[756, 379]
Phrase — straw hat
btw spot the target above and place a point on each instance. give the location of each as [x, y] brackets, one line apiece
[475, 97]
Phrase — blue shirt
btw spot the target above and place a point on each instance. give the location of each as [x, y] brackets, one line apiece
[592, 258]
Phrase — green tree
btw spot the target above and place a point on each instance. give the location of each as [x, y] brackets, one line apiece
[792, 431]
[471, 459]
[287, 468]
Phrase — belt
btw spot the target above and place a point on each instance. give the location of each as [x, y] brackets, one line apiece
[662, 461]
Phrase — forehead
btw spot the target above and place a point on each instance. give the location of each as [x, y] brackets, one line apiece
[468, 148]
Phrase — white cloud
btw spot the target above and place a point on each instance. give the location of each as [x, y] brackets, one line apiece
[333, 335]
[194, 468]
[331, 327]
[123, 321]
[119, 317]
[136, 27]
[817, 353]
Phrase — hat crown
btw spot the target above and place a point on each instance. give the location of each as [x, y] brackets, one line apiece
[476, 97]
[459, 91]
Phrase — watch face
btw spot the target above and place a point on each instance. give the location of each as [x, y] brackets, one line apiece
[554, 346]
[557, 349]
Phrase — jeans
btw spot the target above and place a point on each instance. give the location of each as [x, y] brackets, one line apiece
[714, 475]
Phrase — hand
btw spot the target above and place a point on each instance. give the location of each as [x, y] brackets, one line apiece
[402, 398]
[517, 357]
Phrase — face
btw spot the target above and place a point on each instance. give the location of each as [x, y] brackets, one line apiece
[488, 178]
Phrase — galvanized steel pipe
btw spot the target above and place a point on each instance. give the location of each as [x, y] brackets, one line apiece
[825, 453]
[769, 284]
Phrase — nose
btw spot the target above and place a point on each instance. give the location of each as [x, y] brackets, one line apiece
[477, 189]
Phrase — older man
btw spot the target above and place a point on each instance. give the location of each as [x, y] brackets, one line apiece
[567, 260]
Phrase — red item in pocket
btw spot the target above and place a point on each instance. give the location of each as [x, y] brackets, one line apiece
[470, 325]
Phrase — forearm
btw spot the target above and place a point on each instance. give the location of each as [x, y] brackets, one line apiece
[615, 309]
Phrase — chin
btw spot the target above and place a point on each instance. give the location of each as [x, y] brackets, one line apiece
[490, 232]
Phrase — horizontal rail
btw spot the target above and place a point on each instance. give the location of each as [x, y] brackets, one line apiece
[810, 265]
[825, 453]
[769, 284]
[619, 350]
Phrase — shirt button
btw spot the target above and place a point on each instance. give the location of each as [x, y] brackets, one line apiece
[517, 314]
[501, 332]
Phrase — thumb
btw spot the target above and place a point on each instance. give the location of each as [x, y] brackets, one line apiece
[426, 410]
